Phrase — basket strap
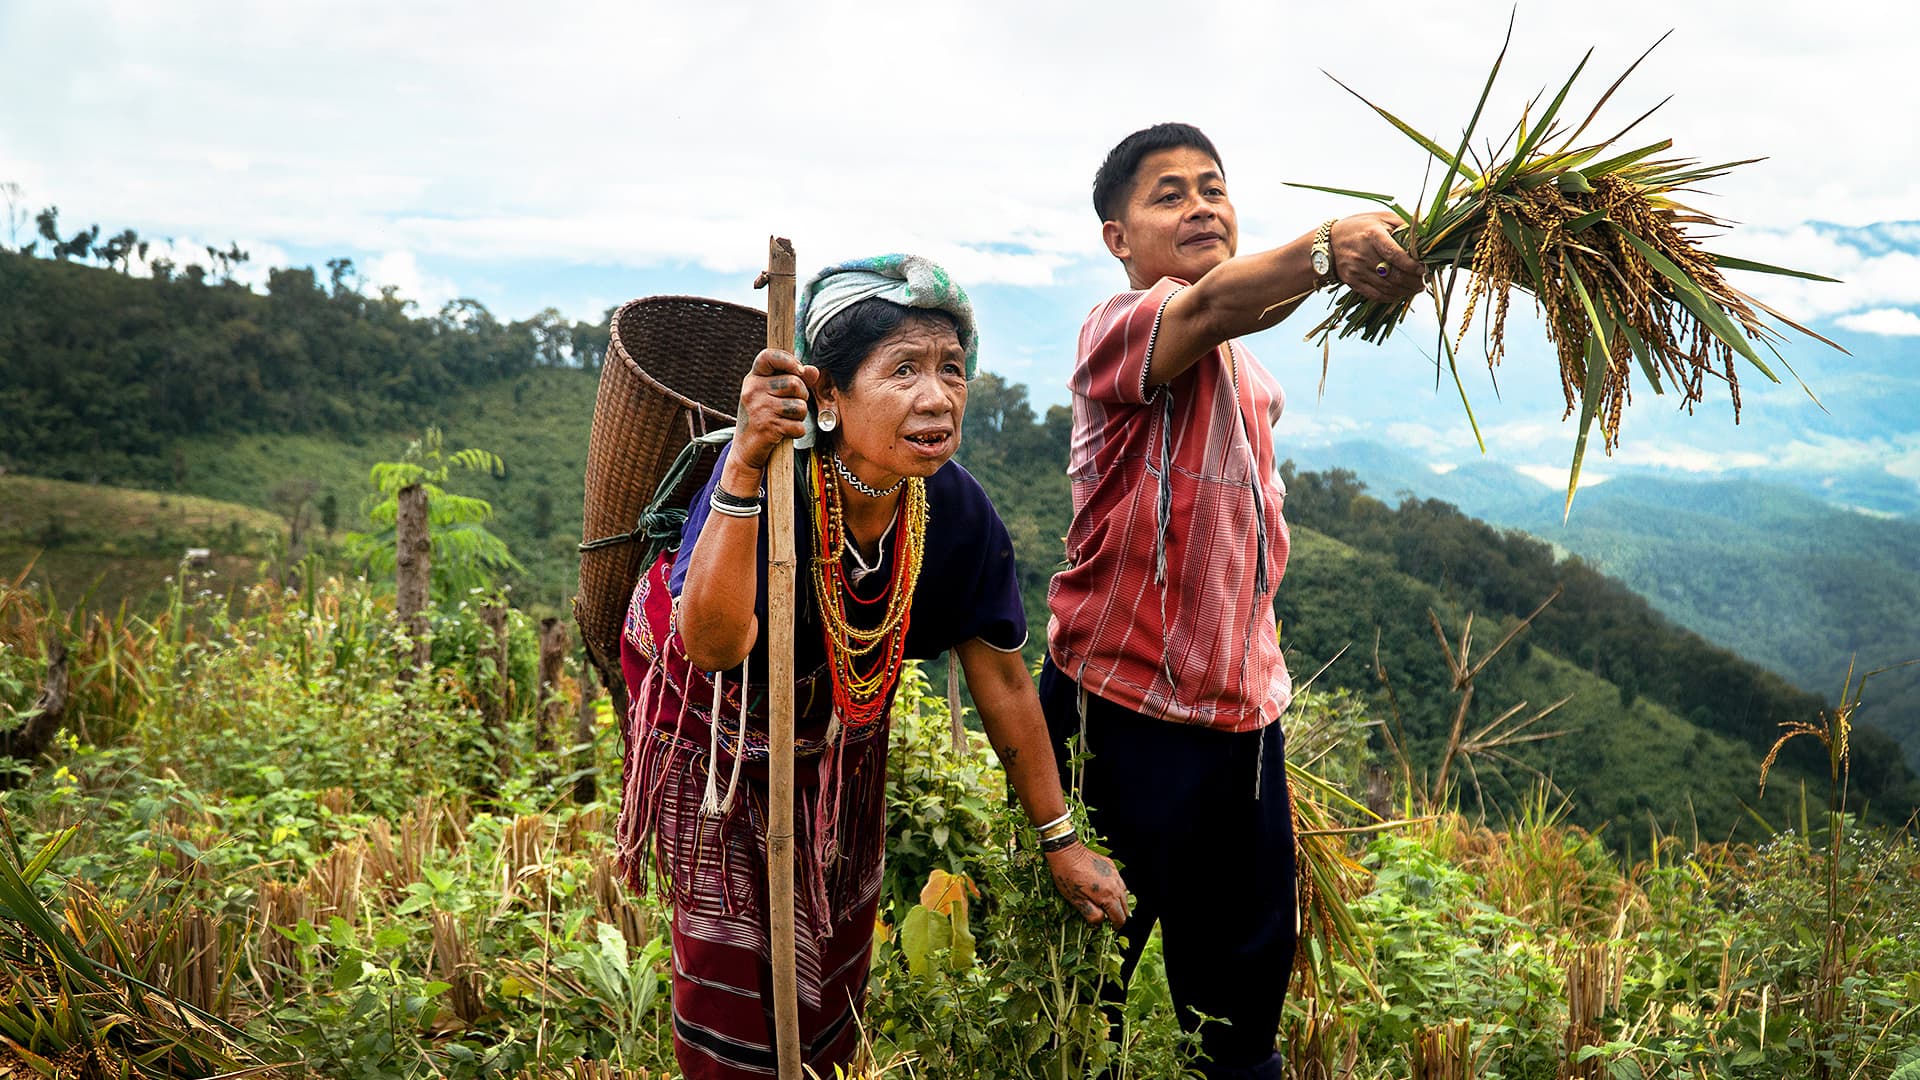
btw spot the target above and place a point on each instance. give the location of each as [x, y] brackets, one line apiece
[659, 525]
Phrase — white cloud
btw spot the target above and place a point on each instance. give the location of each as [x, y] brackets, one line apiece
[401, 270]
[1525, 434]
[1896, 455]
[1891, 321]
[1304, 427]
[381, 127]
[1419, 437]
[1555, 476]
[1904, 461]
[185, 251]
[1685, 458]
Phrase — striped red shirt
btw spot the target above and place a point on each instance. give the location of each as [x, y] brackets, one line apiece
[1177, 543]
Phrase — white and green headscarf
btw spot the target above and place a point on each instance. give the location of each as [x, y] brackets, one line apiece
[907, 280]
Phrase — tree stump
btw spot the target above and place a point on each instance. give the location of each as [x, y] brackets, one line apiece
[497, 699]
[585, 787]
[554, 644]
[413, 562]
[31, 738]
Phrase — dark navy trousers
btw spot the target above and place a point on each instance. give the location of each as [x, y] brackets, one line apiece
[1202, 827]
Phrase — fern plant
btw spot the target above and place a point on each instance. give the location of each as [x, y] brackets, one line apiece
[466, 555]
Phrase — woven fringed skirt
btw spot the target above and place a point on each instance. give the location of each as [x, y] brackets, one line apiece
[707, 852]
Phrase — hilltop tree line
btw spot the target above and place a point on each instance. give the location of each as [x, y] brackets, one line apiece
[101, 368]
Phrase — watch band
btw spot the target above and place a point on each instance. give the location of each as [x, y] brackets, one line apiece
[1323, 245]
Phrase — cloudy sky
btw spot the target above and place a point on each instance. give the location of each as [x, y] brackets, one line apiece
[583, 154]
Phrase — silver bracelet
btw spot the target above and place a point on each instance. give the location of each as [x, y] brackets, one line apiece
[1056, 827]
[733, 509]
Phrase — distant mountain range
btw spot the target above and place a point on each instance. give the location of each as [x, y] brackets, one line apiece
[1801, 584]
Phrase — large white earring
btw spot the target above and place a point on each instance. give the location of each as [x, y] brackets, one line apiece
[828, 420]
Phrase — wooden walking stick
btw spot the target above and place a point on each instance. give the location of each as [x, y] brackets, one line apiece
[777, 279]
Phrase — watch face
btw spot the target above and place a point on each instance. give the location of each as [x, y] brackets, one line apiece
[1321, 263]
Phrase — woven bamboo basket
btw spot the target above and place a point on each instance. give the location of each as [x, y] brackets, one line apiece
[672, 373]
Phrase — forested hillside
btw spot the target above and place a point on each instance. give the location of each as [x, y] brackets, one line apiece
[105, 372]
[1796, 584]
[284, 401]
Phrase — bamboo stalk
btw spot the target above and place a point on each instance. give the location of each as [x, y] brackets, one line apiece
[779, 283]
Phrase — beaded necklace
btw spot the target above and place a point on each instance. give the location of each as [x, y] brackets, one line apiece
[861, 697]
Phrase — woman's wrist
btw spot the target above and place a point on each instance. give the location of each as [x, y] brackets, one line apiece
[1058, 834]
[1058, 847]
[740, 480]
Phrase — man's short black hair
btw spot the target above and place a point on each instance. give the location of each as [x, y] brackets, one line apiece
[1114, 181]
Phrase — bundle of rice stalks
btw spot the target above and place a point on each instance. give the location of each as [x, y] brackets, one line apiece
[1596, 235]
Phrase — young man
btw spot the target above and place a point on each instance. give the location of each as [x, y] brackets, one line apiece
[1162, 646]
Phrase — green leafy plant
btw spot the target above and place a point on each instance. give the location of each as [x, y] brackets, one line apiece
[466, 556]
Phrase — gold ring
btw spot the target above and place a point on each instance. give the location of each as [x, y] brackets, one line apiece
[1380, 268]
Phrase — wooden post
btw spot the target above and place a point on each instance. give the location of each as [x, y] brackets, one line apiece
[498, 699]
[779, 283]
[413, 568]
[553, 655]
[585, 787]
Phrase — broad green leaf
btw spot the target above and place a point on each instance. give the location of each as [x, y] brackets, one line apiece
[1602, 168]
[923, 932]
[1586, 221]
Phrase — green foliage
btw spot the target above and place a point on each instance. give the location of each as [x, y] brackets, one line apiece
[1441, 952]
[1019, 995]
[100, 371]
[939, 802]
[988, 973]
[261, 792]
[1711, 715]
[466, 557]
[1785, 580]
[538, 423]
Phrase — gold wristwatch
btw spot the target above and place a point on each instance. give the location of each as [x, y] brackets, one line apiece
[1322, 255]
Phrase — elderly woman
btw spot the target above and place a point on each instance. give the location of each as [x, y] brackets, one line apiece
[901, 557]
